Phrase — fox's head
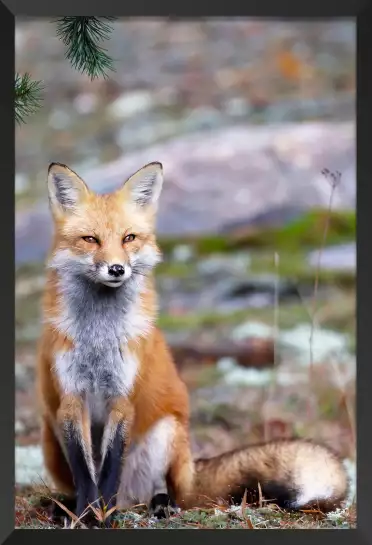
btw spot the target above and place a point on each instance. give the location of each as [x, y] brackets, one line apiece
[106, 238]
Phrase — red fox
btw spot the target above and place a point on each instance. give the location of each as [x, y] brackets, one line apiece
[115, 413]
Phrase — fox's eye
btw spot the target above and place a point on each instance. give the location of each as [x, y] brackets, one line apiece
[129, 238]
[91, 240]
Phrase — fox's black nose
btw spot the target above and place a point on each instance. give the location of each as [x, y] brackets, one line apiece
[116, 270]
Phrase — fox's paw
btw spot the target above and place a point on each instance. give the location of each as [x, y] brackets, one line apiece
[162, 506]
[55, 511]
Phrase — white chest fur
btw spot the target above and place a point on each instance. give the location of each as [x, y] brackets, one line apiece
[97, 374]
[99, 321]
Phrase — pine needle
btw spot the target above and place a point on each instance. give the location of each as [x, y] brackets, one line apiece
[74, 518]
[243, 508]
[260, 502]
[27, 99]
[81, 36]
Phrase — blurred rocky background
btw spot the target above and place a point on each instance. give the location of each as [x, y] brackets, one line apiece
[244, 115]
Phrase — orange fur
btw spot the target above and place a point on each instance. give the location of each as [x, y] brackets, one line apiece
[55, 460]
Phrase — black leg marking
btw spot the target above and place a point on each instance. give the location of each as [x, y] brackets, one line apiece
[54, 511]
[86, 489]
[96, 433]
[162, 506]
[109, 478]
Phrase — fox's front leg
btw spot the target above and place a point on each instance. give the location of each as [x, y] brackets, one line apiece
[114, 442]
[74, 424]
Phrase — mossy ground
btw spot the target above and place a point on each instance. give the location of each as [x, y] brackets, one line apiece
[33, 512]
[304, 232]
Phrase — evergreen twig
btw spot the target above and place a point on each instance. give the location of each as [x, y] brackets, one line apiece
[81, 36]
[27, 96]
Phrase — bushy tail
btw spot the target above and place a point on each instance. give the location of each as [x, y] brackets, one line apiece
[294, 474]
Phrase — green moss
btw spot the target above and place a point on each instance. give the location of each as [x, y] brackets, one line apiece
[174, 269]
[191, 321]
[294, 266]
[210, 245]
[307, 231]
[340, 316]
[208, 375]
[203, 245]
[27, 309]
[30, 269]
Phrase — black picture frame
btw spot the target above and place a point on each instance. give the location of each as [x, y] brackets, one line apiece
[317, 9]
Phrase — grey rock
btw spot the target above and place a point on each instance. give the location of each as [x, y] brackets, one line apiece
[22, 183]
[233, 175]
[129, 104]
[219, 264]
[22, 376]
[29, 465]
[182, 253]
[340, 257]
[20, 428]
[203, 118]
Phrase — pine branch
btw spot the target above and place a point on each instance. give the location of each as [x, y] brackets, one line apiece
[27, 96]
[81, 36]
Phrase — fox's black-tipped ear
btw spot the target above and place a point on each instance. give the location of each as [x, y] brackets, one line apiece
[144, 186]
[66, 189]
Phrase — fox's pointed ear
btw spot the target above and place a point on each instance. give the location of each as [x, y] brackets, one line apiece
[66, 189]
[144, 186]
